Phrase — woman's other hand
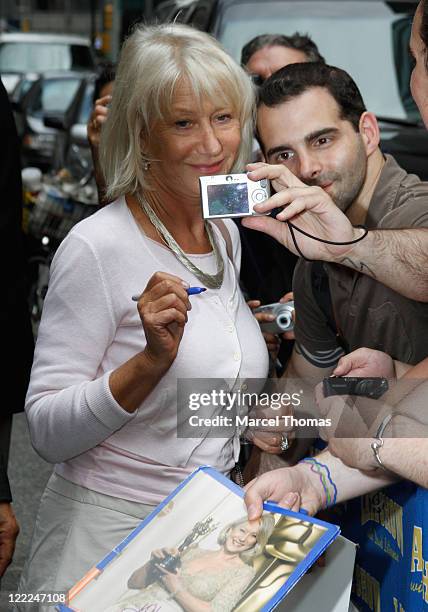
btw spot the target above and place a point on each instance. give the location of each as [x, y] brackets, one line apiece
[160, 553]
[163, 308]
[96, 120]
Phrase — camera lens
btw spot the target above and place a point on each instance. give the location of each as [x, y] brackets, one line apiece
[284, 320]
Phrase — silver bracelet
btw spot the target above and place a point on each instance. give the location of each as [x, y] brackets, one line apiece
[377, 444]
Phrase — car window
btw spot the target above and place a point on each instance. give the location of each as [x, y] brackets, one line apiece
[21, 89]
[54, 95]
[39, 57]
[360, 37]
[86, 104]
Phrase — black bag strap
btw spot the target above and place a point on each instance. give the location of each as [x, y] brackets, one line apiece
[321, 292]
[322, 295]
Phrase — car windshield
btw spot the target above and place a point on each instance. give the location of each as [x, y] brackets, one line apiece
[367, 39]
[55, 95]
[39, 57]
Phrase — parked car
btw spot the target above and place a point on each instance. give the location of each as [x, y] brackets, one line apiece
[45, 109]
[24, 52]
[368, 38]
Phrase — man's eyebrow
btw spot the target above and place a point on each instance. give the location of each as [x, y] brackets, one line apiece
[318, 133]
[307, 138]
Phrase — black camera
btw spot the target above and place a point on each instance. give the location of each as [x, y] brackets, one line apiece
[349, 385]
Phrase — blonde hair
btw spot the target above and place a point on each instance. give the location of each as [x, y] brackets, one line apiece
[267, 524]
[154, 60]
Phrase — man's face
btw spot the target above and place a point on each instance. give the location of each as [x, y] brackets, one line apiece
[268, 60]
[308, 135]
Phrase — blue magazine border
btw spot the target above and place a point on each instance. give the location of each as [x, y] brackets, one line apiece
[332, 531]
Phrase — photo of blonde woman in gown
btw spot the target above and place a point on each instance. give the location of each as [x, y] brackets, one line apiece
[206, 580]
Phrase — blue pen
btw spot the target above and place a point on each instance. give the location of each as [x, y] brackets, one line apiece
[189, 291]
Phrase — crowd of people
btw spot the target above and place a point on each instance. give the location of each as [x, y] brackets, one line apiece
[101, 402]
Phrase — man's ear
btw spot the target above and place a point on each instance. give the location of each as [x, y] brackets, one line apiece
[369, 130]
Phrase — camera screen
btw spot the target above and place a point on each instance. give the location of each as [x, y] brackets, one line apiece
[228, 199]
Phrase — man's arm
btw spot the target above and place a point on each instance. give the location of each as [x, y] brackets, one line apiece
[395, 258]
[301, 486]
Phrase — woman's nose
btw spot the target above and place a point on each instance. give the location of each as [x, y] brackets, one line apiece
[210, 141]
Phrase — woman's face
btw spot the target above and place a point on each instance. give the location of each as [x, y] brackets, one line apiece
[242, 537]
[419, 78]
[193, 142]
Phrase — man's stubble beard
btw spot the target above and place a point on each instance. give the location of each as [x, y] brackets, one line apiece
[349, 182]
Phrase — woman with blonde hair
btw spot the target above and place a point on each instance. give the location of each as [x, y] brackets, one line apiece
[207, 580]
[102, 398]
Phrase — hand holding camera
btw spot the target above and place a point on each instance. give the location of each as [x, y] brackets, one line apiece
[281, 317]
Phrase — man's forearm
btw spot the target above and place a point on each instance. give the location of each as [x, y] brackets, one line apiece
[395, 258]
[350, 482]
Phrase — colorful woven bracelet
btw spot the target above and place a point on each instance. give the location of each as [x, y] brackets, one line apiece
[327, 483]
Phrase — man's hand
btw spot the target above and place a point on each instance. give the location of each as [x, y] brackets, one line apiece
[9, 530]
[272, 340]
[310, 208]
[96, 120]
[291, 488]
[366, 362]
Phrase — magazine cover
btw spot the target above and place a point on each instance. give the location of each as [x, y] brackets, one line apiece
[198, 551]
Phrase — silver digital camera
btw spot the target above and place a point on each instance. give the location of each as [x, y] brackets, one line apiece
[284, 317]
[231, 195]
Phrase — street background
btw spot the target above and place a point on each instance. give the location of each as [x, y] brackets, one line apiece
[28, 475]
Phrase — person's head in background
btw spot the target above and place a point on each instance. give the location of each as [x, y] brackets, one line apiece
[105, 81]
[267, 53]
[419, 52]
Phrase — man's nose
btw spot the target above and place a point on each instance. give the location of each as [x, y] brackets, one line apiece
[309, 167]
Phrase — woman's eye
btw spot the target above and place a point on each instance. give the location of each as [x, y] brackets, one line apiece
[223, 118]
[182, 123]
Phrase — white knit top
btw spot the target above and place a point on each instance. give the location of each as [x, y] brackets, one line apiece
[90, 326]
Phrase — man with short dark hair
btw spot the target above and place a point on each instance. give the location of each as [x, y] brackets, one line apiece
[322, 147]
[267, 53]
[266, 271]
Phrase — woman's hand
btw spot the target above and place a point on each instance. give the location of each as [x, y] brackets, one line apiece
[96, 120]
[163, 308]
[309, 208]
[160, 553]
[364, 363]
[171, 582]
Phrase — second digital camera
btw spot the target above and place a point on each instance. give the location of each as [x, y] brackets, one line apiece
[283, 321]
[231, 195]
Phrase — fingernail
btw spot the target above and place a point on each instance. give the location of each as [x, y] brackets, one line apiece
[185, 284]
[253, 512]
[290, 499]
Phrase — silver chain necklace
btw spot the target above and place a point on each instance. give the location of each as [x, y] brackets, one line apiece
[211, 281]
